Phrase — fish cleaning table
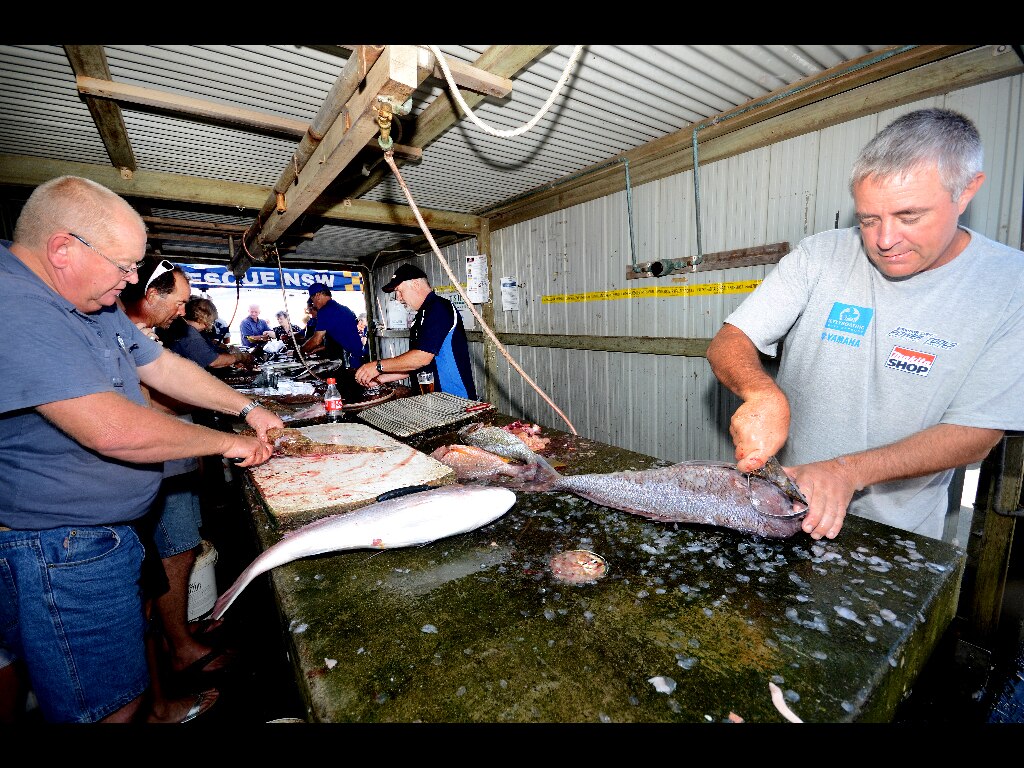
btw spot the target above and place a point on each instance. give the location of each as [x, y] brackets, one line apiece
[689, 624]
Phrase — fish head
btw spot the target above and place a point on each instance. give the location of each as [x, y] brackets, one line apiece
[773, 472]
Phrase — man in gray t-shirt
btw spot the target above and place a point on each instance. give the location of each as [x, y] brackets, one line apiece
[900, 338]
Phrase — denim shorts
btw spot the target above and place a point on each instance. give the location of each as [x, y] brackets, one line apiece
[177, 529]
[71, 608]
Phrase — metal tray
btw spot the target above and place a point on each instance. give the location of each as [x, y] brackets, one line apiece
[415, 415]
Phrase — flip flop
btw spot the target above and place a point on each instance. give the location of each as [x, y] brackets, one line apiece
[197, 709]
[193, 676]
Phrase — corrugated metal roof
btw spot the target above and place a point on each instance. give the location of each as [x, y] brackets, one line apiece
[618, 97]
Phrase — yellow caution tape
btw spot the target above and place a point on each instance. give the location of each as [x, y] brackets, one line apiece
[654, 291]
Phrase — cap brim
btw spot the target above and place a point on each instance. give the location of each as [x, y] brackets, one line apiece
[390, 287]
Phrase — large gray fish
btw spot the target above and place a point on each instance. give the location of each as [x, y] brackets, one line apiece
[408, 520]
[712, 493]
[765, 502]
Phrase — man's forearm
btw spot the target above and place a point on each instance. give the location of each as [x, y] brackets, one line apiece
[114, 426]
[185, 381]
[931, 450]
[736, 363]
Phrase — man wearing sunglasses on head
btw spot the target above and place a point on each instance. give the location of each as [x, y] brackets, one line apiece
[82, 453]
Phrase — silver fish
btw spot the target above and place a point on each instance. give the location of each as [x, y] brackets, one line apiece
[712, 493]
[765, 502]
[408, 520]
[504, 443]
[473, 463]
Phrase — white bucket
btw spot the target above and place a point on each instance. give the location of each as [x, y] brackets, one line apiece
[202, 583]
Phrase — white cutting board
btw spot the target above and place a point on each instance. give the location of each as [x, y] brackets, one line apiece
[298, 490]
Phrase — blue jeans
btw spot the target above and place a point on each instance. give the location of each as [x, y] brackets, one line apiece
[71, 608]
[177, 530]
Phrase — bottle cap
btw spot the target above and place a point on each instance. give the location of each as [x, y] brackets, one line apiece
[331, 381]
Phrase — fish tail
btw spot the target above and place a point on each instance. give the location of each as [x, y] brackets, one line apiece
[245, 577]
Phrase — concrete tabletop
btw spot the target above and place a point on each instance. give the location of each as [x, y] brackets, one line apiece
[689, 624]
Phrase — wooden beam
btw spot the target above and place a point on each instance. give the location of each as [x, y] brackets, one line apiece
[393, 77]
[25, 170]
[203, 110]
[188, 225]
[739, 257]
[91, 61]
[645, 345]
[189, 106]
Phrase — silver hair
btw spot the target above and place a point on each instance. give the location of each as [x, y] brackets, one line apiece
[940, 136]
[74, 204]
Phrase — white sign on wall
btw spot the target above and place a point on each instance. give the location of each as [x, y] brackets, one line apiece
[478, 287]
[460, 305]
[509, 294]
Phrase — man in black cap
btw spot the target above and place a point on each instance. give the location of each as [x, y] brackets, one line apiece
[335, 328]
[437, 339]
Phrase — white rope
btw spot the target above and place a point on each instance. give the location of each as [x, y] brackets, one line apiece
[476, 120]
[389, 157]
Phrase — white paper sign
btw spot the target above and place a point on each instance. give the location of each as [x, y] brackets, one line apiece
[477, 284]
[455, 298]
[398, 315]
[509, 294]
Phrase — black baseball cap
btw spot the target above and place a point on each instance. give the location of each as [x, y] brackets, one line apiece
[403, 273]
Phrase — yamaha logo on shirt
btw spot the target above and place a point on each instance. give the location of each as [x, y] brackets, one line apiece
[845, 322]
[910, 361]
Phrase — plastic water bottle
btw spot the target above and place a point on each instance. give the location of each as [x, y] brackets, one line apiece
[332, 401]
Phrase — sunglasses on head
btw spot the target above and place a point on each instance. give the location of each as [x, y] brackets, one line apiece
[163, 267]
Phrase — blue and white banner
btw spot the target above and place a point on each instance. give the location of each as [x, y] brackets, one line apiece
[207, 276]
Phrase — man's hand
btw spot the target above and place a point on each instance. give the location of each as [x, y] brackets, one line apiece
[261, 420]
[759, 428]
[828, 489]
[366, 374]
[251, 450]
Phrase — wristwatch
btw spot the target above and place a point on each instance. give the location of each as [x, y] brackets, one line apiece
[380, 367]
[245, 411]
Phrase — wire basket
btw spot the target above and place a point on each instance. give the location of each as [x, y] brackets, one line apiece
[409, 416]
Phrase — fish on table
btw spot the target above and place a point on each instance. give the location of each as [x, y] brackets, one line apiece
[472, 463]
[405, 521]
[706, 492]
[503, 443]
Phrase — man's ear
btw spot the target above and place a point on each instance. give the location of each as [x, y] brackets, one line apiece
[57, 250]
[970, 191]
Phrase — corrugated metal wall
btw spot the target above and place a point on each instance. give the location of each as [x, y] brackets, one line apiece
[670, 406]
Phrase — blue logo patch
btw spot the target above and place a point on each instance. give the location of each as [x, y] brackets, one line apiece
[849, 318]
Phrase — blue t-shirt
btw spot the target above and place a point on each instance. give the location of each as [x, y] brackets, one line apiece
[438, 329]
[342, 333]
[47, 479]
[250, 328]
[182, 339]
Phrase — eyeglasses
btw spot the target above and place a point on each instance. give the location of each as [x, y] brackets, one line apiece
[124, 270]
[161, 268]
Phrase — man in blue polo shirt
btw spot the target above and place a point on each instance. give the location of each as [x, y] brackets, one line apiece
[82, 453]
[335, 328]
[437, 339]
